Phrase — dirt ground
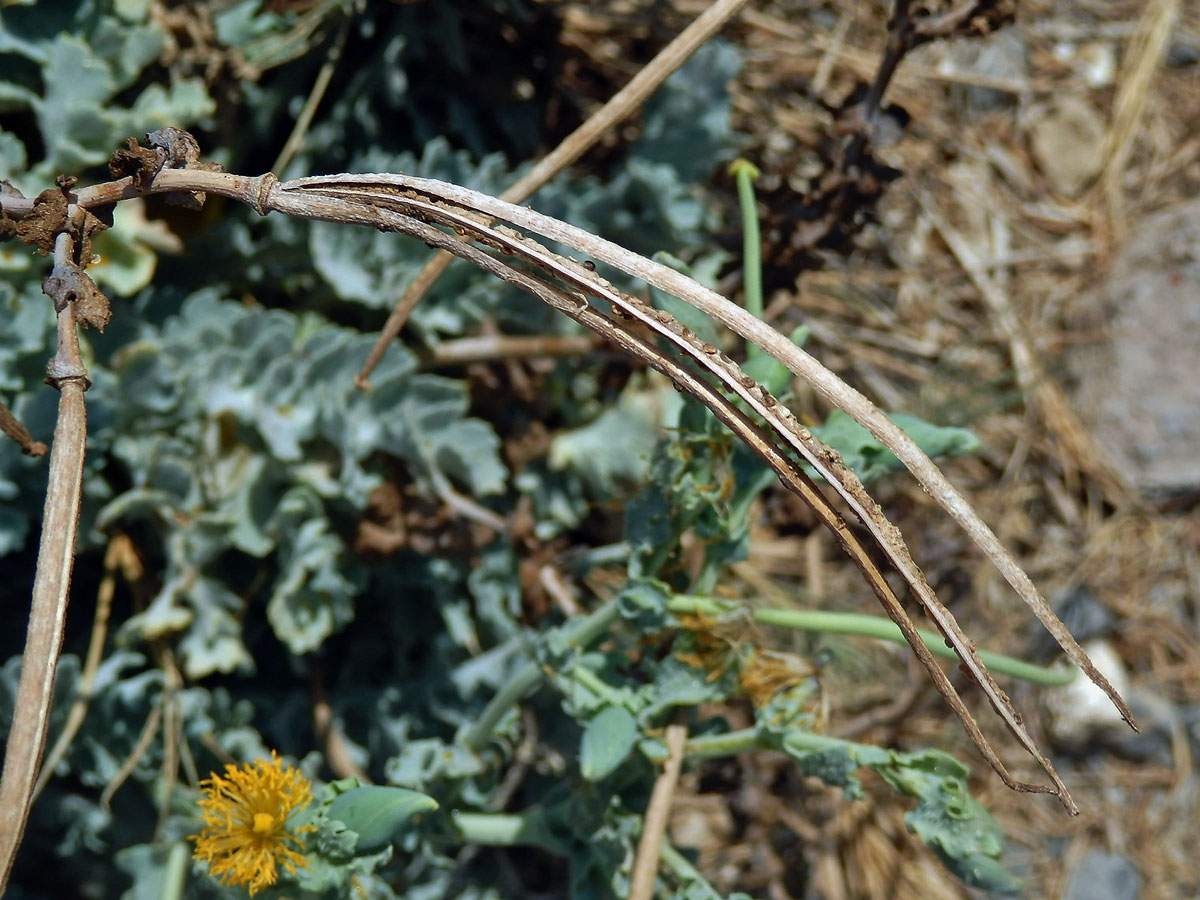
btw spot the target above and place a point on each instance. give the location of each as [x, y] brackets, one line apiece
[1034, 159]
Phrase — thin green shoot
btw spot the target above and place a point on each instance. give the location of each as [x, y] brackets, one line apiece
[744, 172]
[878, 627]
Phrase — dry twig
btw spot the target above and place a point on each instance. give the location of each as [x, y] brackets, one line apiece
[56, 555]
[19, 433]
[118, 547]
[442, 215]
[1145, 54]
[654, 823]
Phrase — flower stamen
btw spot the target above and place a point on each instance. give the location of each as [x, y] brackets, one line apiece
[246, 837]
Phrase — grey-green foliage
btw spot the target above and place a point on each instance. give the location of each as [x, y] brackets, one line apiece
[685, 492]
[946, 816]
[870, 459]
[370, 267]
[243, 432]
[67, 64]
[607, 740]
[377, 812]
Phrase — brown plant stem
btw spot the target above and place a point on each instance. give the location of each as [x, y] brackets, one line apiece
[654, 823]
[320, 85]
[117, 547]
[19, 433]
[489, 348]
[56, 555]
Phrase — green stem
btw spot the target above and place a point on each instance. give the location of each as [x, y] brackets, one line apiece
[683, 870]
[589, 680]
[527, 829]
[724, 744]
[749, 739]
[579, 632]
[492, 829]
[824, 622]
[175, 872]
[744, 172]
[478, 735]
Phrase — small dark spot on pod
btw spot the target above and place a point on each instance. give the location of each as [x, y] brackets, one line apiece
[745, 380]
[687, 333]
[709, 349]
[589, 265]
[768, 400]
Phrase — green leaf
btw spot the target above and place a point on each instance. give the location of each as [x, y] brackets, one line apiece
[687, 119]
[832, 760]
[335, 860]
[378, 813]
[12, 161]
[643, 603]
[612, 453]
[312, 597]
[607, 740]
[870, 459]
[427, 427]
[428, 760]
[949, 819]
[147, 865]
[677, 683]
[213, 642]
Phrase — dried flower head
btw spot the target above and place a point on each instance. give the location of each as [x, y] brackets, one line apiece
[709, 643]
[246, 834]
[767, 673]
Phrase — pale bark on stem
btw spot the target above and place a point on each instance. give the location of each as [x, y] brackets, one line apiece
[825, 382]
[95, 654]
[56, 556]
[654, 823]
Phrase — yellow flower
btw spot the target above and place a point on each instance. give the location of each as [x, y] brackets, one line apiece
[246, 834]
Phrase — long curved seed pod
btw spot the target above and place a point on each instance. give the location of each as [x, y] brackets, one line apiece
[824, 381]
[407, 204]
[631, 320]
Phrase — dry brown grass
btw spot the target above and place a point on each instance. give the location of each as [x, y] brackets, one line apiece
[952, 307]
